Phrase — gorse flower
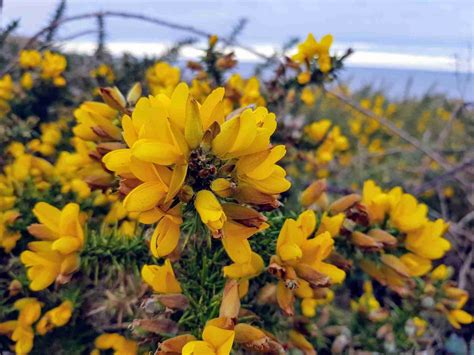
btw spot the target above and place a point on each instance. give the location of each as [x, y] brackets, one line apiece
[21, 330]
[161, 278]
[52, 68]
[311, 49]
[54, 318]
[162, 78]
[217, 339]
[30, 59]
[8, 238]
[177, 146]
[6, 94]
[300, 259]
[116, 342]
[95, 122]
[55, 256]
[103, 72]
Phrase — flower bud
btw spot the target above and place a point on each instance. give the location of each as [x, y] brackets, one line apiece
[114, 98]
[134, 93]
[344, 203]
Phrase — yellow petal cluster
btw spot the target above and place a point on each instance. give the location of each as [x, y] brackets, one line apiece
[61, 238]
[116, 342]
[161, 278]
[21, 330]
[216, 340]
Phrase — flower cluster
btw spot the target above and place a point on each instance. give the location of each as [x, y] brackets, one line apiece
[179, 151]
[330, 143]
[29, 311]
[48, 66]
[6, 94]
[313, 53]
[300, 264]
[55, 256]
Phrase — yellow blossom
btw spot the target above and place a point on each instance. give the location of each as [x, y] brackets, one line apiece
[408, 215]
[161, 278]
[317, 130]
[8, 238]
[162, 78]
[61, 237]
[52, 66]
[56, 317]
[457, 317]
[30, 59]
[95, 122]
[116, 342]
[210, 210]
[441, 272]
[428, 241]
[217, 339]
[307, 96]
[26, 81]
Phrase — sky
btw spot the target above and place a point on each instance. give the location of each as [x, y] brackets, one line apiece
[405, 33]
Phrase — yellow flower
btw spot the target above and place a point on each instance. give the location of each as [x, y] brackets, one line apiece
[457, 317]
[76, 169]
[103, 71]
[176, 147]
[56, 317]
[441, 272]
[420, 326]
[26, 81]
[302, 259]
[318, 130]
[210, 210]
[162, 78]
[408, 215]
[428, 241]
[331, 224]
[304, 77]
[306, 50]
[417, 265]
[310, 49]
[241, 223]
[20, 331]
[8, 238]
[30, 59]
[59, 81]
[61, 227]
[298, 340]
[165, 237]
[116, 342]
[367, 302]
[245, 270]
[6, 94]
[217, 339]
[376, 201]
[95, 122]
[61, 238]
[161, 278]
[251, 93]
[52, 66]
[307, 96]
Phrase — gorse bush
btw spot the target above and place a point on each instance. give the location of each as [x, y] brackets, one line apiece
[220, 214]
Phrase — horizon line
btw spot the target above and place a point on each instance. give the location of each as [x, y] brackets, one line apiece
[360, 58]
